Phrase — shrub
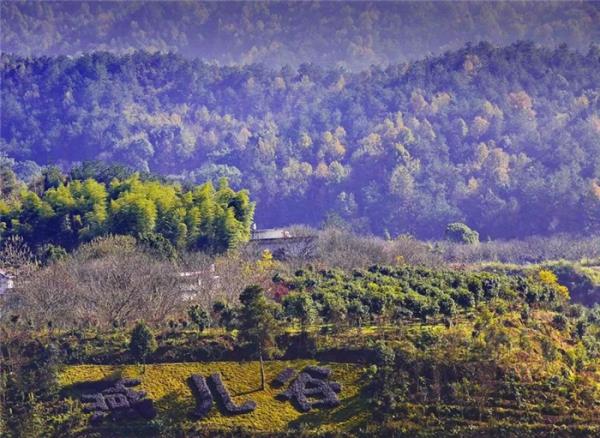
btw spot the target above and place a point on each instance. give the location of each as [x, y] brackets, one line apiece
[447, 306]
[384, 355]
[463, 297]
[305, 386]
[580, 328]
[203, 396]
[142, 342]
[560, 321]
[525, 313]
[49, 253]
[461, 233]
[548, 349]
[158, 245]
[283, 377]
[199, 316]
[119, 400]
[317, 372]
[225, 398]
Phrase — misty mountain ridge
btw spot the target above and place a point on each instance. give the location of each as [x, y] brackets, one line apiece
[353, 35]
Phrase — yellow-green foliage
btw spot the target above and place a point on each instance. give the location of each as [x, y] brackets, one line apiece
[549, 278]
[592, 272]
[167, 385]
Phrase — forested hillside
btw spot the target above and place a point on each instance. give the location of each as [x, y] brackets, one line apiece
[504, 139]
[352, 34]
[431, 172]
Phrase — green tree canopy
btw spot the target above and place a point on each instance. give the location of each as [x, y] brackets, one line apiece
[461, 233]
[161, 214]
[142, 342]
[257, 325]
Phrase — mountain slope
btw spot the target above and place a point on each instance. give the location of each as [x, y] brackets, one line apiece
[505, 139]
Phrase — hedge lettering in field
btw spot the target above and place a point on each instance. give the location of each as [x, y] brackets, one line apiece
[312, 383]
[120, 401]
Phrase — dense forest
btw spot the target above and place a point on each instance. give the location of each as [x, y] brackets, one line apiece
[59, 212]
[350, 34]
[504, 139]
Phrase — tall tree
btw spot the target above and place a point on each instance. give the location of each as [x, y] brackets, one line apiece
[257, 325]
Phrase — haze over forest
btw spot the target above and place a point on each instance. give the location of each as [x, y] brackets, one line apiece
[354, 35]
[385, 117]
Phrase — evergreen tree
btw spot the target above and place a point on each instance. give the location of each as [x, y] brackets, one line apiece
[257, 325]
[461, 233]
[142, 342]
[200, 317]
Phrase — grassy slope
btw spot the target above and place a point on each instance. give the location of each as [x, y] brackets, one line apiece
[520, 354]
[167, 385]
[475, 358]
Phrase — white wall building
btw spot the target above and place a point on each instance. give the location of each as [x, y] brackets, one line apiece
[6, 282]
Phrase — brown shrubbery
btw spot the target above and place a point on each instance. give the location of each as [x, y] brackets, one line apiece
[108, 282]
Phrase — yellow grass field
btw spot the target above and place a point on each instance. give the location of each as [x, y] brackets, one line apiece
[167, 385]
